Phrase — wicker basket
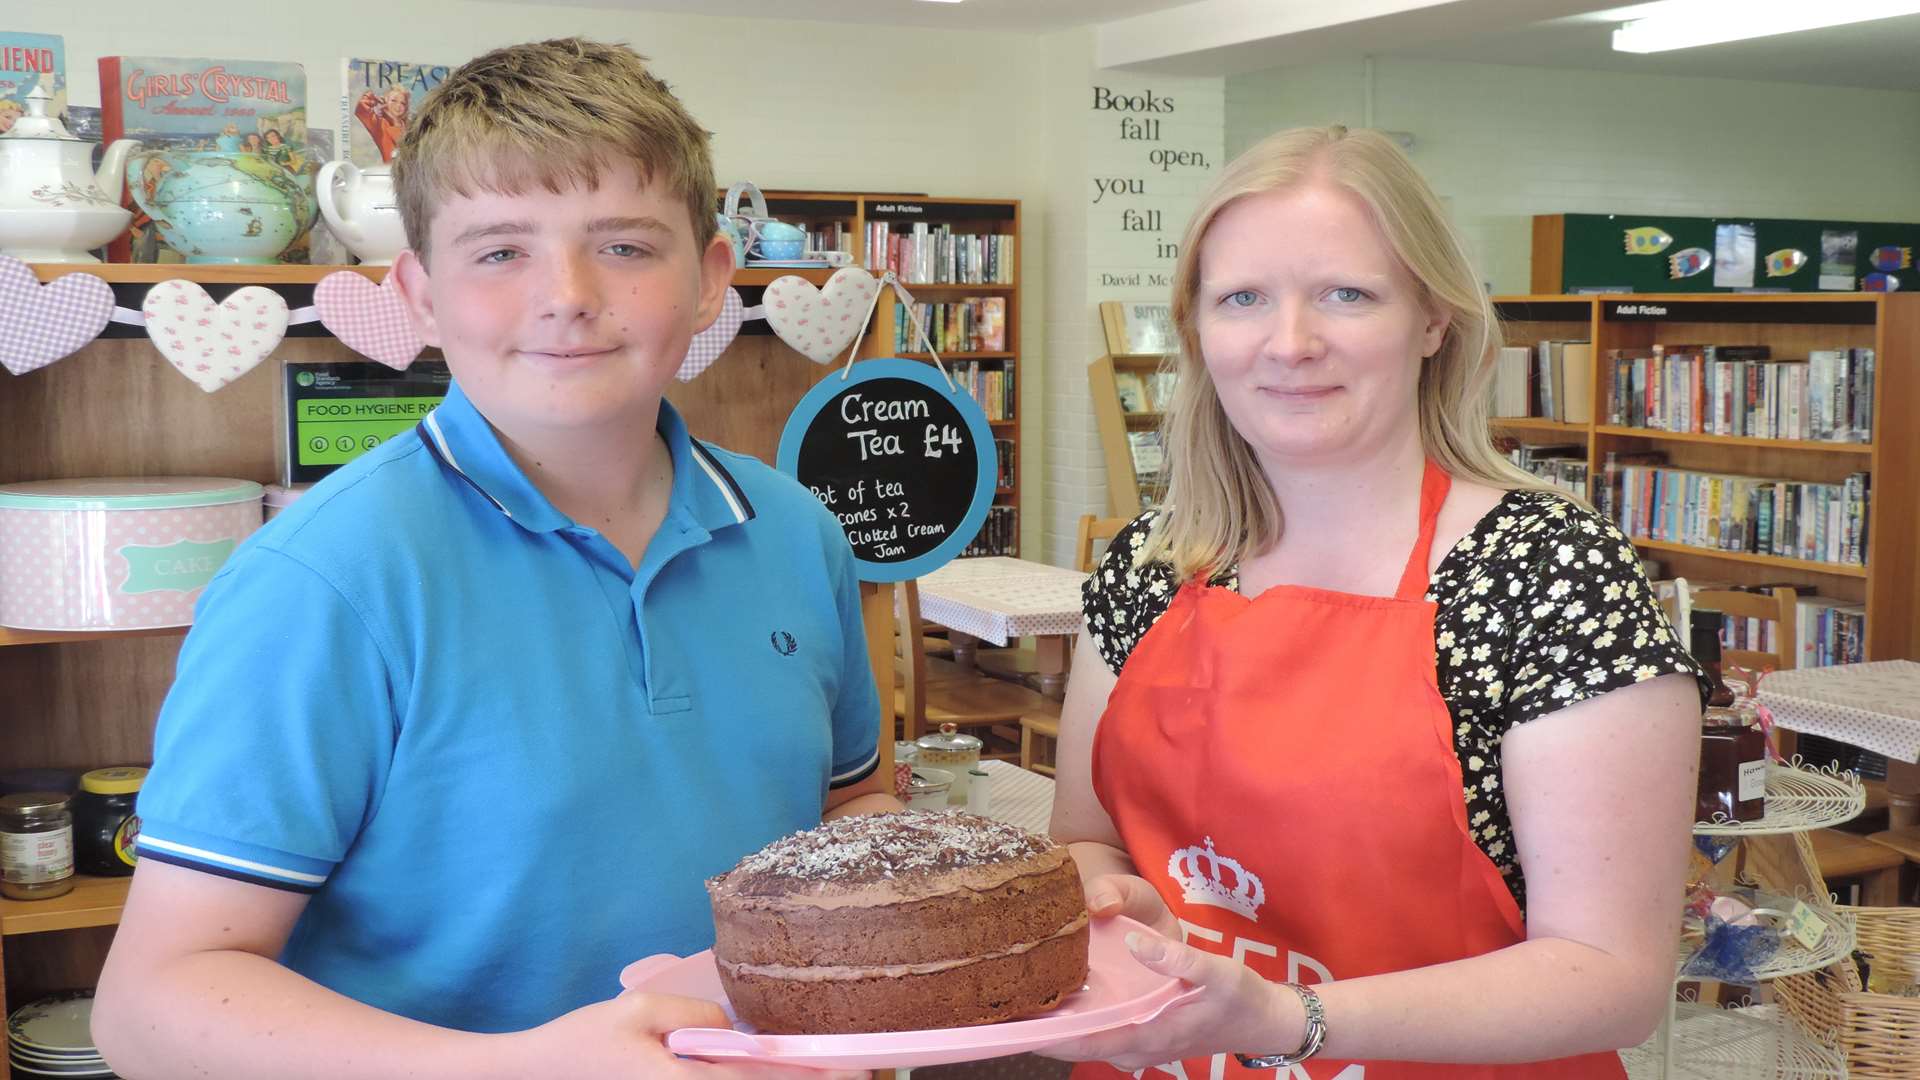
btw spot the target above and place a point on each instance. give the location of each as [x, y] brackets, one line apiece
[1878, 1033]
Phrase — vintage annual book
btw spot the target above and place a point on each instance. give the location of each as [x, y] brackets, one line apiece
[377, 98]
[27, 61]
[255, 111]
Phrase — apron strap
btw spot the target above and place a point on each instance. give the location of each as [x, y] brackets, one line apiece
[1434, 485]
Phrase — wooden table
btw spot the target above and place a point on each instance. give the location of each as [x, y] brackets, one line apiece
[1875, 706]
[999, 599]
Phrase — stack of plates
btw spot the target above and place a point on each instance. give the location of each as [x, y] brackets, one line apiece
[52, 1037]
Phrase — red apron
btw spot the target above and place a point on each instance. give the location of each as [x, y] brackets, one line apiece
[1283, 770]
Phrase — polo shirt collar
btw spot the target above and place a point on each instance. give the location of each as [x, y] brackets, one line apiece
[704, 491]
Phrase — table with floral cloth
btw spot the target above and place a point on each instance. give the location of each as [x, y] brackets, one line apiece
[1000, 599]
[1875, 706]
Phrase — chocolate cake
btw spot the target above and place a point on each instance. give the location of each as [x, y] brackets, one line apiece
[899, 922]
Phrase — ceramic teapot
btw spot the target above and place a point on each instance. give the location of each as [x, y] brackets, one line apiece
[760, 237]
[216, 206]
[361, 209]
[53, 207]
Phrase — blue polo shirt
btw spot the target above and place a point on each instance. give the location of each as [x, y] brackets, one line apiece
[501, 758]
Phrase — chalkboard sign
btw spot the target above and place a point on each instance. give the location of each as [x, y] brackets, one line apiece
[898, 457]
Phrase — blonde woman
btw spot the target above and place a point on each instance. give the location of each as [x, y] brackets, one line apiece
[1388, 743]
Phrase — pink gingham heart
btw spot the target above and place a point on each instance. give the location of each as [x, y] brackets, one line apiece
[42, 323]
[214, 344]
[819, 323]
[708, 344]
[367, 318]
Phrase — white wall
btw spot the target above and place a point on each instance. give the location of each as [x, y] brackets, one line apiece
[1504, 143]
[1089, 248]
[851, 108]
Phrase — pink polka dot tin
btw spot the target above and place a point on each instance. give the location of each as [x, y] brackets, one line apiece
[117, 553]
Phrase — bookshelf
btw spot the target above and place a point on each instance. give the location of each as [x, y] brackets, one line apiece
[1128, 492]
[1791, 325]
[742, 401]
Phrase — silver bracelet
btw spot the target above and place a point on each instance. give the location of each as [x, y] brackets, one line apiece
[1316, 1034]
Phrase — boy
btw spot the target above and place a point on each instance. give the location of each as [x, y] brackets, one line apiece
[460, 734]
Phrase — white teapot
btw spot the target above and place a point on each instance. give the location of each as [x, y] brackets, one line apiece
[53, 208]
[361, 209]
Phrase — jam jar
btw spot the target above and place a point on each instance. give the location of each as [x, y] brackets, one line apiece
[953, 751]
[104, 824]
[36, 846]
[1733, 765]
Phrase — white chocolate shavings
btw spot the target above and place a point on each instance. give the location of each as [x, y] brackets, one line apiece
[878, 846]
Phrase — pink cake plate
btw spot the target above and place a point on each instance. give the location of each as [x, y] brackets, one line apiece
[1119, 991]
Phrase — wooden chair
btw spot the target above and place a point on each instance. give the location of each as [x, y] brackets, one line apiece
[929, 692]
[1093, 529]
[1779, 607]
[1039, 734]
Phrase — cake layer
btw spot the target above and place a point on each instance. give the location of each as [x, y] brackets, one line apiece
[984, 991]
[960, 924]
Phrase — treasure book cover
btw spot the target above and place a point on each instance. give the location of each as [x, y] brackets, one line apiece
[244, 122]
[377, 98]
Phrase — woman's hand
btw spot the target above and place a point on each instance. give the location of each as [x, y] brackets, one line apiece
[1236, 1011]
[1132, 896]
[626, 1037]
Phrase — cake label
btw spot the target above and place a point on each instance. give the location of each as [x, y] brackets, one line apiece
[901, 456]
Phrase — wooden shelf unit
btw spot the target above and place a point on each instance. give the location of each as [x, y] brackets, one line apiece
[1125, 494]
[1791, 324]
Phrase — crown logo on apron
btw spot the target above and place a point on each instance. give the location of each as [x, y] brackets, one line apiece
[1207, 877]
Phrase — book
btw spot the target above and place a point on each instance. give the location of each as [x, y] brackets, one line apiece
[1149, 454]
[1132, 392]
[255, 109]
[1138, 328]
[27, 61]
[1510, 380]
[1160, 387]
[377, 97]
[1576, 366]
[991, 334]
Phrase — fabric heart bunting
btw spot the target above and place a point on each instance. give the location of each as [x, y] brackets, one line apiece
[43, 323]
[819, 323]
[367, 318]
[708, 344]
[214, 344]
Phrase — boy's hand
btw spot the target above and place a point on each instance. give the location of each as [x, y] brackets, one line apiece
[1134, 897]
[627, 1037]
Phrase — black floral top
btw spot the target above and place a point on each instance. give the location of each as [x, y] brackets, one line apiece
[1542, 605]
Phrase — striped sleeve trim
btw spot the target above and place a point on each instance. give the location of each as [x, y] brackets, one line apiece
[228, 866]
[848, 777]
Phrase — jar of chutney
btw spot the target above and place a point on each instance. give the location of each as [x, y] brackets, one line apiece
[104, 824]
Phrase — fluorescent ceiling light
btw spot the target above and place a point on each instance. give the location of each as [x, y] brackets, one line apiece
[1711, 22]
